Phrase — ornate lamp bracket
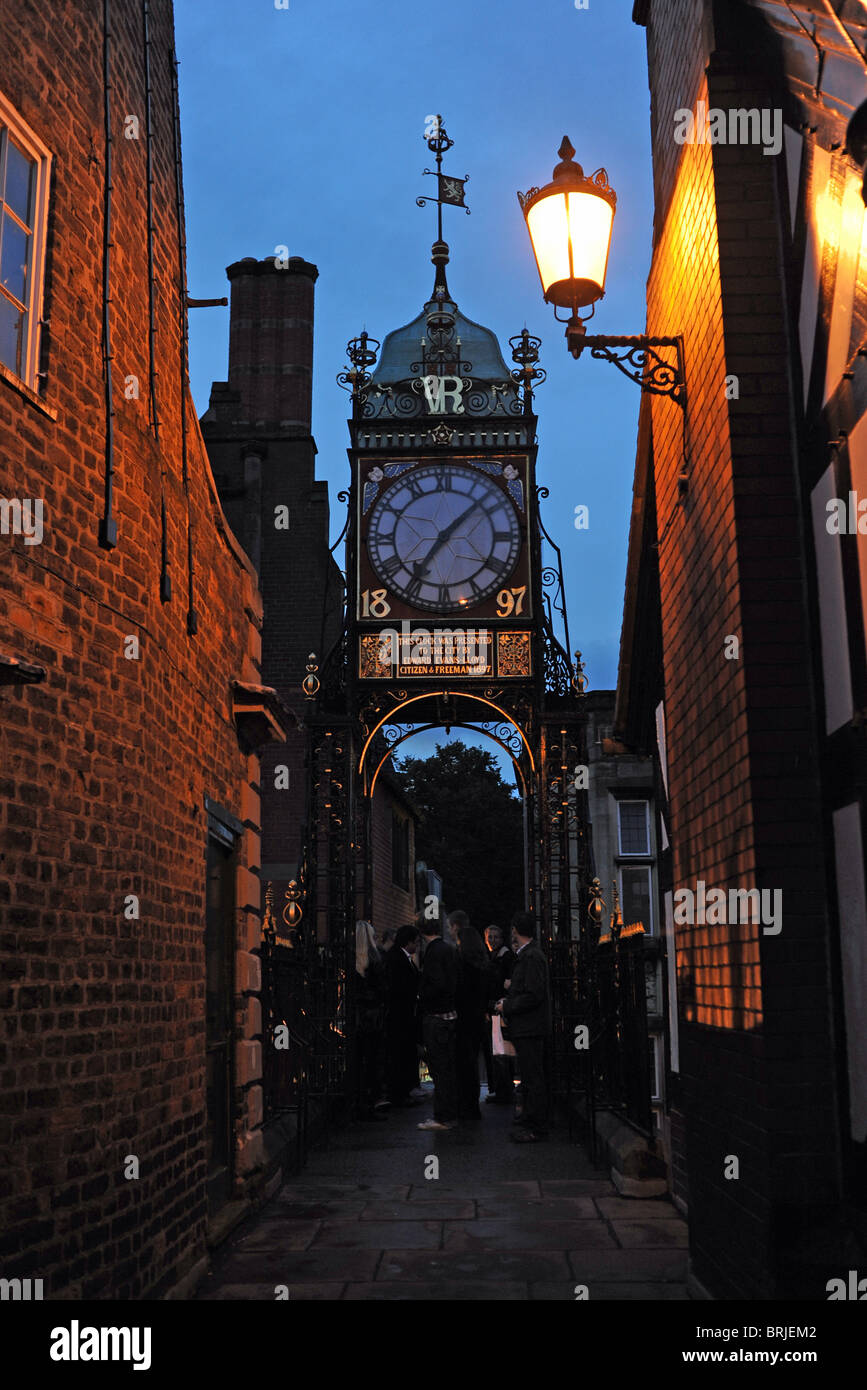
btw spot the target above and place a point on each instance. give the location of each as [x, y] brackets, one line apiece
[636, 356]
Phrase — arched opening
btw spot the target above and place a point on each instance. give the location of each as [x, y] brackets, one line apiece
[453, 710]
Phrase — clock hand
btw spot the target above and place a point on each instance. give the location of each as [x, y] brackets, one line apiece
[420, 566]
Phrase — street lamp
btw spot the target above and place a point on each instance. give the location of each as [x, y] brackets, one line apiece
[570, 222]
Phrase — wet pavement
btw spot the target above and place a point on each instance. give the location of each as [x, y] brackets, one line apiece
[368, 1219]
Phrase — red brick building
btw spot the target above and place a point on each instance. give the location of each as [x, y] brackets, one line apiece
[743, 651]
[132, 703]
[393, 823]
[258, 433]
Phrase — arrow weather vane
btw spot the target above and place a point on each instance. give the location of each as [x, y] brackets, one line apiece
[449, 189]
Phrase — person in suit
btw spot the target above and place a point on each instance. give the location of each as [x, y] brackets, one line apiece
[472, 1003]
[401, 1027]
[438, 1006]
[369, 1018]
[526, 1008]
[500, 1069]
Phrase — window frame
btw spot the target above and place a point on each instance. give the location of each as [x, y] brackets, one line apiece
[657, 1050]
[39, 152]
[634, 854]
[647, 866]
[400, 851]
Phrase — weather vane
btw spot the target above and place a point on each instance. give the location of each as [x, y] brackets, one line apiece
[449, 189]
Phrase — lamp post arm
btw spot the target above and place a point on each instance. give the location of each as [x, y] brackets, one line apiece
[638, 359]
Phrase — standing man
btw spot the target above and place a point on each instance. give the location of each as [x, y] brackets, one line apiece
[500, 1088]
[526, 1009]
[401, 1025]
[438, 1006]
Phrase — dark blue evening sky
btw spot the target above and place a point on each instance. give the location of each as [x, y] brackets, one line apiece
[303, 127]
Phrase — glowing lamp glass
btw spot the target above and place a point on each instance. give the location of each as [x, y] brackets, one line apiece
[571, 235]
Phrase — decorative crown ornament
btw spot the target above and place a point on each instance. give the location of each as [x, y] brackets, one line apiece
[311, 683]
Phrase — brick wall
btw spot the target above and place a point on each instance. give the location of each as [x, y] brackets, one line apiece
[392, 905]
[106, 763]
[257, 430]
[756, 1076]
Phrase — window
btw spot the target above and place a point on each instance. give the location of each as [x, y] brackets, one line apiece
[400, 851]
[24, 172]
[636, 901]
[657, 1074]
[634, 822]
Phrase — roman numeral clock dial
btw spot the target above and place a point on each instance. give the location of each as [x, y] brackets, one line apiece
[443, 538]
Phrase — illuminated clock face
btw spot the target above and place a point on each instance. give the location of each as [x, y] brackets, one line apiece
[443, 537]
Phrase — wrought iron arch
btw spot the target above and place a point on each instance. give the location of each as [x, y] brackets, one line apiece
[389, 718]
[459, 724]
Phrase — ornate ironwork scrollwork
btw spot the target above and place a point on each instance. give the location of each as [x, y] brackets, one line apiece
[638, 359]
[362, 353]
[558, 672]
[399, 400]
[506, 734]
[333, 672]
[525, 351]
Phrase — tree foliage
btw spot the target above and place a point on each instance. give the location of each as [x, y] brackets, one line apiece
[471, 830]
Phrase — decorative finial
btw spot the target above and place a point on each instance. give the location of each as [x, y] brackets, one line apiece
[567, 168]
[311, 683]
[596, 906]
[525, 351]
[362, 354]
[450, 191]
[616, 914]
[580, 678]
[292, 910]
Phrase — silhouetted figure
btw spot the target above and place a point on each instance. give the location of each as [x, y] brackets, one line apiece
[402, 1021]
[438, 1005]
[472, 1003]
[369, 1018]
[526, 1009]
[501, 1069]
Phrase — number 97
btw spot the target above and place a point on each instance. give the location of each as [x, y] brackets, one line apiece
[511, 601]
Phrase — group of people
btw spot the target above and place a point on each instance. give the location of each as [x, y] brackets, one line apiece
[453, 999]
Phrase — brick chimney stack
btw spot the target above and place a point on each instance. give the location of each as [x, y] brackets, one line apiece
[271, 341]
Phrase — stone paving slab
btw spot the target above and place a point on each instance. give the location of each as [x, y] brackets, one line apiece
[299, 1293]
[519, 1235]
[299, 1266]
[576, 1187]
[311, 1209]
[379, 1235]
[661, 1266]
[650, 1233]
[399, 1291]
[327, 1189]
[540, 1209]
[478, 1191]
[363, 1223]
[277, 1233]
[629, 1209]
[607, 1293]
[437, 1209]
[453, 1267]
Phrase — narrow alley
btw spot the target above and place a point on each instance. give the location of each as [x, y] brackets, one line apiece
[502, 1221]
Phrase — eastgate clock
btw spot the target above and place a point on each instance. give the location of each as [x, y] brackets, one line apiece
[443, 537]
